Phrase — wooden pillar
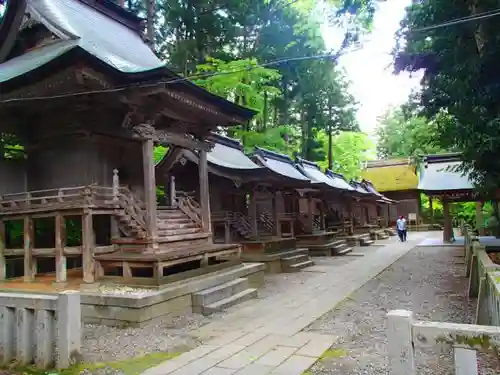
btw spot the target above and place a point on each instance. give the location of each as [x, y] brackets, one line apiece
[30, 265]
[204, 193]
[252, 212]
[277, 223]
[60, 241]
[448, 230]
[479, 218]
[173, 195]
[3, 265]
[88, 247]
[323, 215]
[431, 208]
[149, 187]
[310, 212]
[351, 217]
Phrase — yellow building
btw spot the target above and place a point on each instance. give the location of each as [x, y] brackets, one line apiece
[396, 179]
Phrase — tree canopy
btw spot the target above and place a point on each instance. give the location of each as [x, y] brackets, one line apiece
[459, 89]
[303, 95]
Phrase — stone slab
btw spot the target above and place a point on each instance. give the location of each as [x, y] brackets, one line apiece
[295, 365]
[276, 356]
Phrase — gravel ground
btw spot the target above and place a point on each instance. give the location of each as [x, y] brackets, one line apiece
[178, 334]
[429, 281]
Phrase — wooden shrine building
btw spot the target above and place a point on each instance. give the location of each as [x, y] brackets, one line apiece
[250, 204]
[85, 100]
[397, 180]
[439, 178]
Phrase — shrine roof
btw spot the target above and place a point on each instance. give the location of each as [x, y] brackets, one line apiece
[391, 175]
[312, 170]
[83, 32]
[360, 188]
[228, 153]
[339, 179]
[440, 174]
[279, 163]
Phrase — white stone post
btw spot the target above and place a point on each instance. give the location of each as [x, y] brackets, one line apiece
[69, 326]
[400, 343]
[7, 334]
[465, 360]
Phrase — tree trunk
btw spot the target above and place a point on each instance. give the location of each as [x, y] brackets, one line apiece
[330, 140]
[150, 10]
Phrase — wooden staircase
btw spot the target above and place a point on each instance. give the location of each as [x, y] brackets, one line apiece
[180, 224]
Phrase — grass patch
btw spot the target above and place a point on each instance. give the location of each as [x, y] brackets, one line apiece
[333, 353]
[131, 366]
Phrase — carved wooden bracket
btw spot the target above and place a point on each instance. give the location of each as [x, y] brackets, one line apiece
[147, 131]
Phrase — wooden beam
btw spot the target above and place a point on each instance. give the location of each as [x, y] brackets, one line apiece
[448, 229]
[60, 241]
[277, 223]
[88, 248]
[149, 188]
[204, 193]
[30, 265]
[3, 270]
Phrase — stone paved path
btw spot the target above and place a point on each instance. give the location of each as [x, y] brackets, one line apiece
[264, 337]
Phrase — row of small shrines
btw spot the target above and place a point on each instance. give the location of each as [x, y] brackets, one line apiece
[266, 208]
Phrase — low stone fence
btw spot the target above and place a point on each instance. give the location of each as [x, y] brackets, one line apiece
[405, 334]
[484, 280]
[44, 330]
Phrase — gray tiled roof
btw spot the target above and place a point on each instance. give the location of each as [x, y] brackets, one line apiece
[442, 175]
[71, 20]
[312, 171]
[339, 180]
[280, 163]
[230, 157]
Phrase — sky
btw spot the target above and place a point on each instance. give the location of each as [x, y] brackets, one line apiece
[370, 70]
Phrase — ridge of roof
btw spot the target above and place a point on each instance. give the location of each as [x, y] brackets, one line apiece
[331, 173]
[302, 161]
[443, 158]
[226, 141]
[268, 154]
[386, 163]
[117, 13]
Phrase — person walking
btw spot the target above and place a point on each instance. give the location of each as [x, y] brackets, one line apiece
[401, 228]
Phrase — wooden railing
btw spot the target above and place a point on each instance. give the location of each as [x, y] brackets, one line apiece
[189, 206]
[42, 199]
[132, 207]
[405, 334]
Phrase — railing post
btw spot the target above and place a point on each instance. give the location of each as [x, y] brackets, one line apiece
[69, 329]
[465, 359]
[173, 194]
[116, 184]
[400, 342]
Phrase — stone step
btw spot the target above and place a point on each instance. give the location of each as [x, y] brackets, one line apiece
[382, 236]
[294, 259]
[364, 242]
[342, 251]
[208, 296]
[299, 266]
[242, 296]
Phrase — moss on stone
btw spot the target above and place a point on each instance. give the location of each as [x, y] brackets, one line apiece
[333, 353]
[131, 366]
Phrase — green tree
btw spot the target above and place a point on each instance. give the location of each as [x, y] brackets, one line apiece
[351, 150]
[400, 135]
[459, 90]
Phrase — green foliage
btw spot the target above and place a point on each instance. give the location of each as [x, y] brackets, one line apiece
[402, 135]
[350, 151]
[460, 90]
